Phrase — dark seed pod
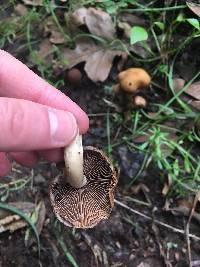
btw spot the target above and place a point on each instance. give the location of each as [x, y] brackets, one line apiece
[85, 207]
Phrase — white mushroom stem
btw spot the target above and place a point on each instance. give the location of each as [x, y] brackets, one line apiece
[73, 156]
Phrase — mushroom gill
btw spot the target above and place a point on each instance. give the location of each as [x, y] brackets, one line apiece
[85, 207]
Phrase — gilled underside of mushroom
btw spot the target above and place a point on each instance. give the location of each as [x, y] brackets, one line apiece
[86, 206]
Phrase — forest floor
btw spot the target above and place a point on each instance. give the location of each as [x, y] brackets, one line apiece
[156, 217]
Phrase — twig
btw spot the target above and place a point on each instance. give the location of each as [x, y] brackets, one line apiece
[187, 227]
[174, 229]
[137, 201]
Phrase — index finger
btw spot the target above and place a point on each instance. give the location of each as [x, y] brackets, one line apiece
[18, 81]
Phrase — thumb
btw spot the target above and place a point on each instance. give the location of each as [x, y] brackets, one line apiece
[26, 125]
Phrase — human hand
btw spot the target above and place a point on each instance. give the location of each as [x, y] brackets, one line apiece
[35, 118]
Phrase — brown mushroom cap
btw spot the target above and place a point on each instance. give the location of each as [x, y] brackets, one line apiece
[74, 76]
[139, 101]
[134, 79]
[87, 206]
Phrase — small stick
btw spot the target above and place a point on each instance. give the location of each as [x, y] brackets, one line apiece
[174, 229]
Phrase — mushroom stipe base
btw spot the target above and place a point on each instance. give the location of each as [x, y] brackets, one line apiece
[87, 206]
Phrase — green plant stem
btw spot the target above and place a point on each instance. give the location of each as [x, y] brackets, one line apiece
[67, 37]
[155, 9]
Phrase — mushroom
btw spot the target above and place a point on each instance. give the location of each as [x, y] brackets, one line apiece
[73, 156]
[74, 76]
[133, 79]
[139, 101]
[84, 198]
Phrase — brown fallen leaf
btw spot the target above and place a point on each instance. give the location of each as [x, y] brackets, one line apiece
[194, 90]
[99, 64]
[33, 2]
[12, 222]
[22, 206]
[178, 84]
[21, 10]
[45, 51]
[194, 7]
[56, 37]
[97, 21]
[77, 18]
[191, 94]
[98, 58]
[132, 19]
[195, 104]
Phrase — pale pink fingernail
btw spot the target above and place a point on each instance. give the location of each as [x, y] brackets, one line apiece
[63, 127]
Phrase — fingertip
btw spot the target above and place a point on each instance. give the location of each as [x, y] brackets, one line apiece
[84, 123]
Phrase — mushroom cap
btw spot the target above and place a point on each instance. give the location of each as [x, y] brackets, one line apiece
[85, 207]
[139, 101]
[133, 79]
[74, 76]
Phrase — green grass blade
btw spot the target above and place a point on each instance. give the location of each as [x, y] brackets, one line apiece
[67, 253]
[26, 218]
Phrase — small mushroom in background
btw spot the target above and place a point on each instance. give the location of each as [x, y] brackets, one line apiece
[139, 101]
[83, 194]
[131, 82]
[74, 76]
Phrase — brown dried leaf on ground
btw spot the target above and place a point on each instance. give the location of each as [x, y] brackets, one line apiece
[194, 90]
[56, 37]
[45, 51]
[178, 84]
[191, 94]
[21, 10]
[98, 59]
[196, 104]
[131, 19]
[33, 2]
[12, 222]
[97, 21]
[194, 7]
